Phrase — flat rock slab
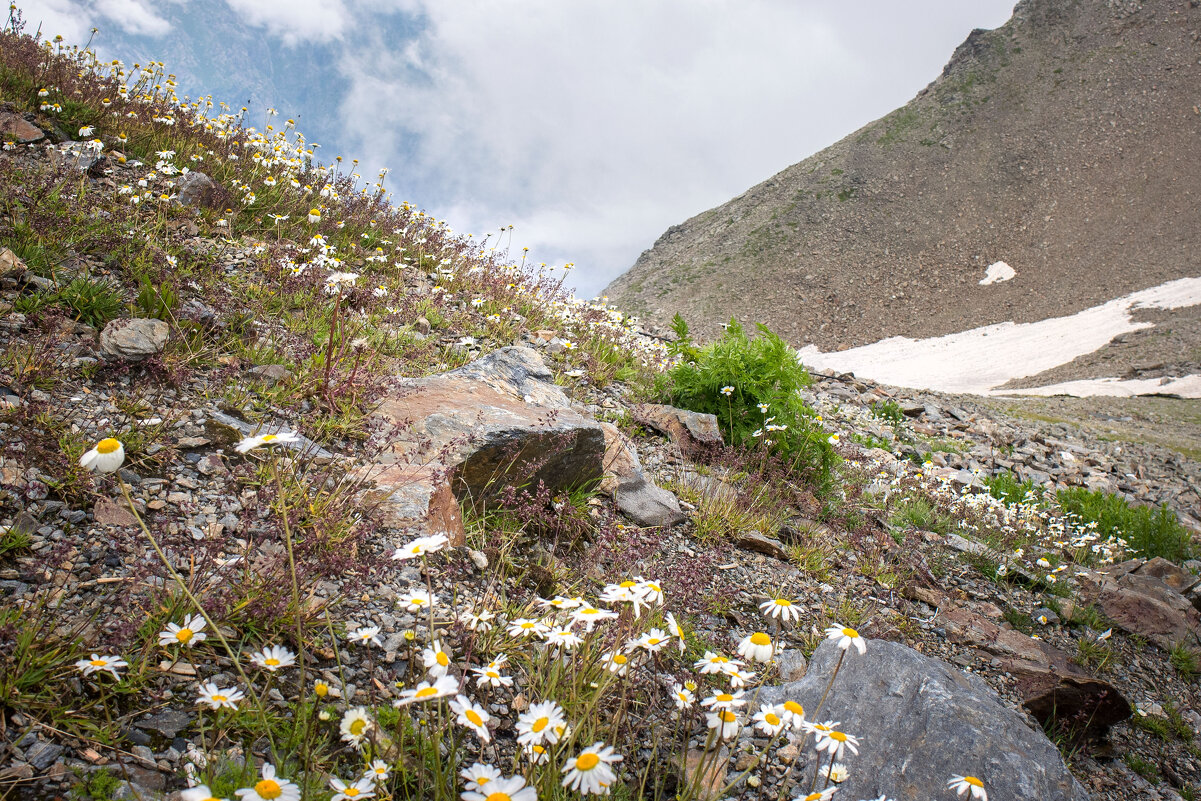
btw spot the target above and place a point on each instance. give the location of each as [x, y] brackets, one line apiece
[494, 423]
[920, 721]
[20, 129]
[1141, 603]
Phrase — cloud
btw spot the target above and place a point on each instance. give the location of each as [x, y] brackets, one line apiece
[75, 19]
[593, 126]
[297, 20]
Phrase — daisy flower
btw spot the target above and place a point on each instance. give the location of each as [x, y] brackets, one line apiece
[472, 715]
[192, 631]
[436, 659]
[480, 621]
[723, 722]
[559, 602]
[215, 697]
[739, 678]
[781, 608]
[524, 627]
[538, 724]
[363, 788]
[425, 691]
[200, 792]
[674, 629]
[724, 700]
[490, 675]
[106, 457]
[505, 789]
[715, 663]
[355, 725]
[836, 742]
[846, 637]
[98, 663]
[683, 696]
[250, 443]
[421, 546]
[794, 715]
[270, 787]
[757, 647]
[727, 390]
[589, 773]
[651, 642]
[365, 635]
[377, 771]
[823, 795]
[536, 754]
[836, 772]
[649, 589]
[479, 775]
[417, 600]
[617, 662]
[968, 784]
[590, 616]
[625, 592]
[770, 719]
[563, 638]
[273, 658]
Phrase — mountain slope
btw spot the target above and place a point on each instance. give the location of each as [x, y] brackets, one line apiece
[1064, 143]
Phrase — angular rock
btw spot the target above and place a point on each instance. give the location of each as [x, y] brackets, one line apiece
[1051, 687]
[1144, 605]
[754, 541]
[686, 429]
[20, 130]
[134, 339]
[271, 374]
[197, 189]
[168, 722]
[921, 721]
[636, 495]
[496, 422]
[42, 754]
[1169, 573]
[108, 512]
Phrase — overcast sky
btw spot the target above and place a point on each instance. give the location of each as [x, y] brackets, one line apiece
[589, 125]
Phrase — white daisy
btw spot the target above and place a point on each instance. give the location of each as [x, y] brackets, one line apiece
[472, 716]
[589, 773]
[270, 787]
[191, 632]
[846, 637]
[215, 697]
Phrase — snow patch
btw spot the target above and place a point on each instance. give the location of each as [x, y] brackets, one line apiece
[997, 272]
[979, 360]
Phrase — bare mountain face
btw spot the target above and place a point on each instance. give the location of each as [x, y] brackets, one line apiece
[1066, 143]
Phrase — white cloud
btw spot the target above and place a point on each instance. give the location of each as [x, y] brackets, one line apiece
[135, 16]
[594, 125]
[74, 19]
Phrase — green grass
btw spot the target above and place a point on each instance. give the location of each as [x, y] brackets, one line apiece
[1149, 531]
[920, 513]
[1004, 486]
[1143, 767]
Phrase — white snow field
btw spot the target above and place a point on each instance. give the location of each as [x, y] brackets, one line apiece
[979, 360]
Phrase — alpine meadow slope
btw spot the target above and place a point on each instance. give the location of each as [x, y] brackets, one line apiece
[1062, 143]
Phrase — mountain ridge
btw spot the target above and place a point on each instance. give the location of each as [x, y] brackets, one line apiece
[1062, 142]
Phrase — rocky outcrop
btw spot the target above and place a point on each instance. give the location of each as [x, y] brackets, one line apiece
[687, 429]
[1139, 597]
[133, 340]
[1051, 687]
[636, 496]
[920, 721]
[469, 433]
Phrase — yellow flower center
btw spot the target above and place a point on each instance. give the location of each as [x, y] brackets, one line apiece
[183, 635]
[271, 661]
[850, 633]
[719, 660]
[839, 736]
[350, 792]
[653, 641]
[108, 445]
[727, 716]
[357, 726]
[442, 659]
[498, 797]
[418, 601]
[268, 789]
[794, 708]
[587, 761]
[426, 692]
[492, 674]
[620, 659]
[973, 781]
[99, 663]
[321, 688]
[474, 717]
[527, 625]
[626, 585]
[539, 725]
[759, 638]
[269, 438]
[783, 602]
[725, 697]
[771, 718]
[220, 698]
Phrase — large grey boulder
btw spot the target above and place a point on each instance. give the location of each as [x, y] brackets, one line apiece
[133, 340]
[920, 721]
[494, 423]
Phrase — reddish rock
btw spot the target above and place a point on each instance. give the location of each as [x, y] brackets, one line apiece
[14, 127]
[687, 429]
[107, 512]
[1051, 687]
[1142, 604]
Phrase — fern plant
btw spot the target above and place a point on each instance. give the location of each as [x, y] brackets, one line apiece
[753, 388]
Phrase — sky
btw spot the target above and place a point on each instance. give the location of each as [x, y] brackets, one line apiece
[591, 126]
